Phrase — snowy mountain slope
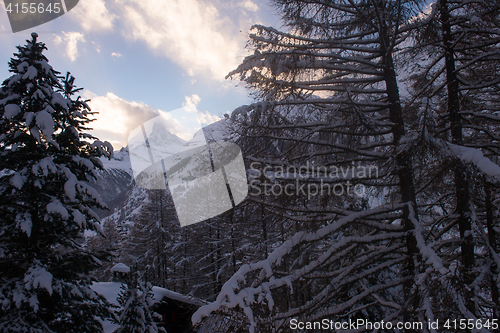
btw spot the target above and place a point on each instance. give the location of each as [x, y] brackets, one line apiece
[120, 160]
[116, 185]
[113, 185]
[219, 131]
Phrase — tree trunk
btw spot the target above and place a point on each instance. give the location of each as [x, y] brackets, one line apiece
[461, 183]
[405, 174]
[492, 238]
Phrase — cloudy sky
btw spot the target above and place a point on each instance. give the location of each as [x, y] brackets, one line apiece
[138, 57]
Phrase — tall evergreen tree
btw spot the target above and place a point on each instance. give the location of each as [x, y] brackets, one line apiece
[135, 316]
[46, 159]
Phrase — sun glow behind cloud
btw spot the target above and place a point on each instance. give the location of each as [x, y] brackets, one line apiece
[117, 117]
[127, 115]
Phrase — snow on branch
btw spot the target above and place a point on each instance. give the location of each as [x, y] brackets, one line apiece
[476, 157]
[425, 250]
[468, 155]
[233, 294]
[38, 277]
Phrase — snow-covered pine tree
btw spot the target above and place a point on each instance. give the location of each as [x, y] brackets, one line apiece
[135, 316]
[46, 205]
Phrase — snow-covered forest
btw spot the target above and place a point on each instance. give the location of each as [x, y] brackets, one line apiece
[372, 155]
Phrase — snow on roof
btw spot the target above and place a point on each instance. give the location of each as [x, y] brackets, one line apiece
[110, 291]
[120, 268]
[159, 293]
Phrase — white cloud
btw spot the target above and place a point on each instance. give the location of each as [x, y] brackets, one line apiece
[206, 118]
[117, 117]
[71, 40]
[115, 54]
[192, 100]
[250, 5]
[192, 33]
[93, 15]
